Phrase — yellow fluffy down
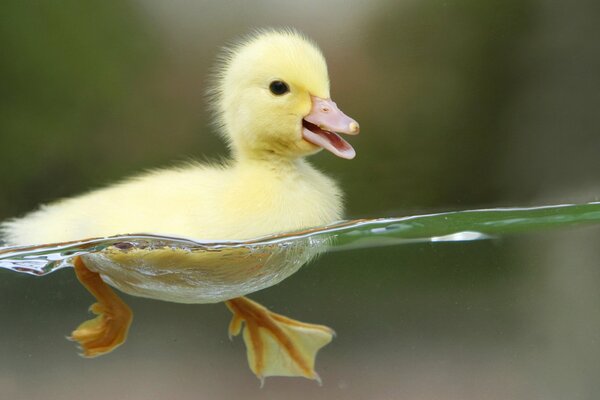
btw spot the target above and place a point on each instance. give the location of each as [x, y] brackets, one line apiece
[210, 203]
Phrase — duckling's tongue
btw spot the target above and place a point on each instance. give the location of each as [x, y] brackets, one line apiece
[319, 127]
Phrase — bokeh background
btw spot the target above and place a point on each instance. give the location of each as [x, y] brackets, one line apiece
[462, 104]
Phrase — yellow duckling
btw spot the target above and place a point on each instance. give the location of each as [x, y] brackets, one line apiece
[274, 108]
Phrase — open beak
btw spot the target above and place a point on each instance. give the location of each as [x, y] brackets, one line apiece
[319, 127]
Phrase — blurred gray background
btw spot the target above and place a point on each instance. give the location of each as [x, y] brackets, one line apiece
[462, 104]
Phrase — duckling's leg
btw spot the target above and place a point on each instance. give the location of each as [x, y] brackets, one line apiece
[277, 345]
[108, 330]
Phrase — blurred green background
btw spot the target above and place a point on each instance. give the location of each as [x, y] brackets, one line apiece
[462, 104]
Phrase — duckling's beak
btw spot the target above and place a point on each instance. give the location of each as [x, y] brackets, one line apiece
[319, 127]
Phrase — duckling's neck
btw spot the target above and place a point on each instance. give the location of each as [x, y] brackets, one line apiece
[270, 161]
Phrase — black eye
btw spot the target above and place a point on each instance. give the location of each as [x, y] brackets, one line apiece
[279, 88]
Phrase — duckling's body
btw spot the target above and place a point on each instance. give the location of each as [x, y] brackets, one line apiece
[248, 199]
[274, 108]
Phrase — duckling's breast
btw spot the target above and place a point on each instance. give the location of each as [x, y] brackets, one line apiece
[263, 200]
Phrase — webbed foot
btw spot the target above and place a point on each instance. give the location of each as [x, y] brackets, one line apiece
[108, 330]
[277, 345]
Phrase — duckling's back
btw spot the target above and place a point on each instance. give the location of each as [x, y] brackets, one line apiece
[202, 202]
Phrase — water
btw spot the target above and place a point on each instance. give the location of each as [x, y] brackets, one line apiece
[192, 271]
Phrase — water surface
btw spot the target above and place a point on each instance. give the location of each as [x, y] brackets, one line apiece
[360, 233]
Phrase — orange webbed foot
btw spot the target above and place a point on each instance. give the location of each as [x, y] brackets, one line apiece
[104, 333]
[277, 345]
[108, 330]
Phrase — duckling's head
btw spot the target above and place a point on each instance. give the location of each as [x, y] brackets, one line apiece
[272, 99]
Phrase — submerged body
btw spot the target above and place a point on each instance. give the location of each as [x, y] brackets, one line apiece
[274, 108]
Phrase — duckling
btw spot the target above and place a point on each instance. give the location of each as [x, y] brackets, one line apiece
[273, 106]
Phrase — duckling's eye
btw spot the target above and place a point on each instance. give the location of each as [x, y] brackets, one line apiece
[279, 87]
